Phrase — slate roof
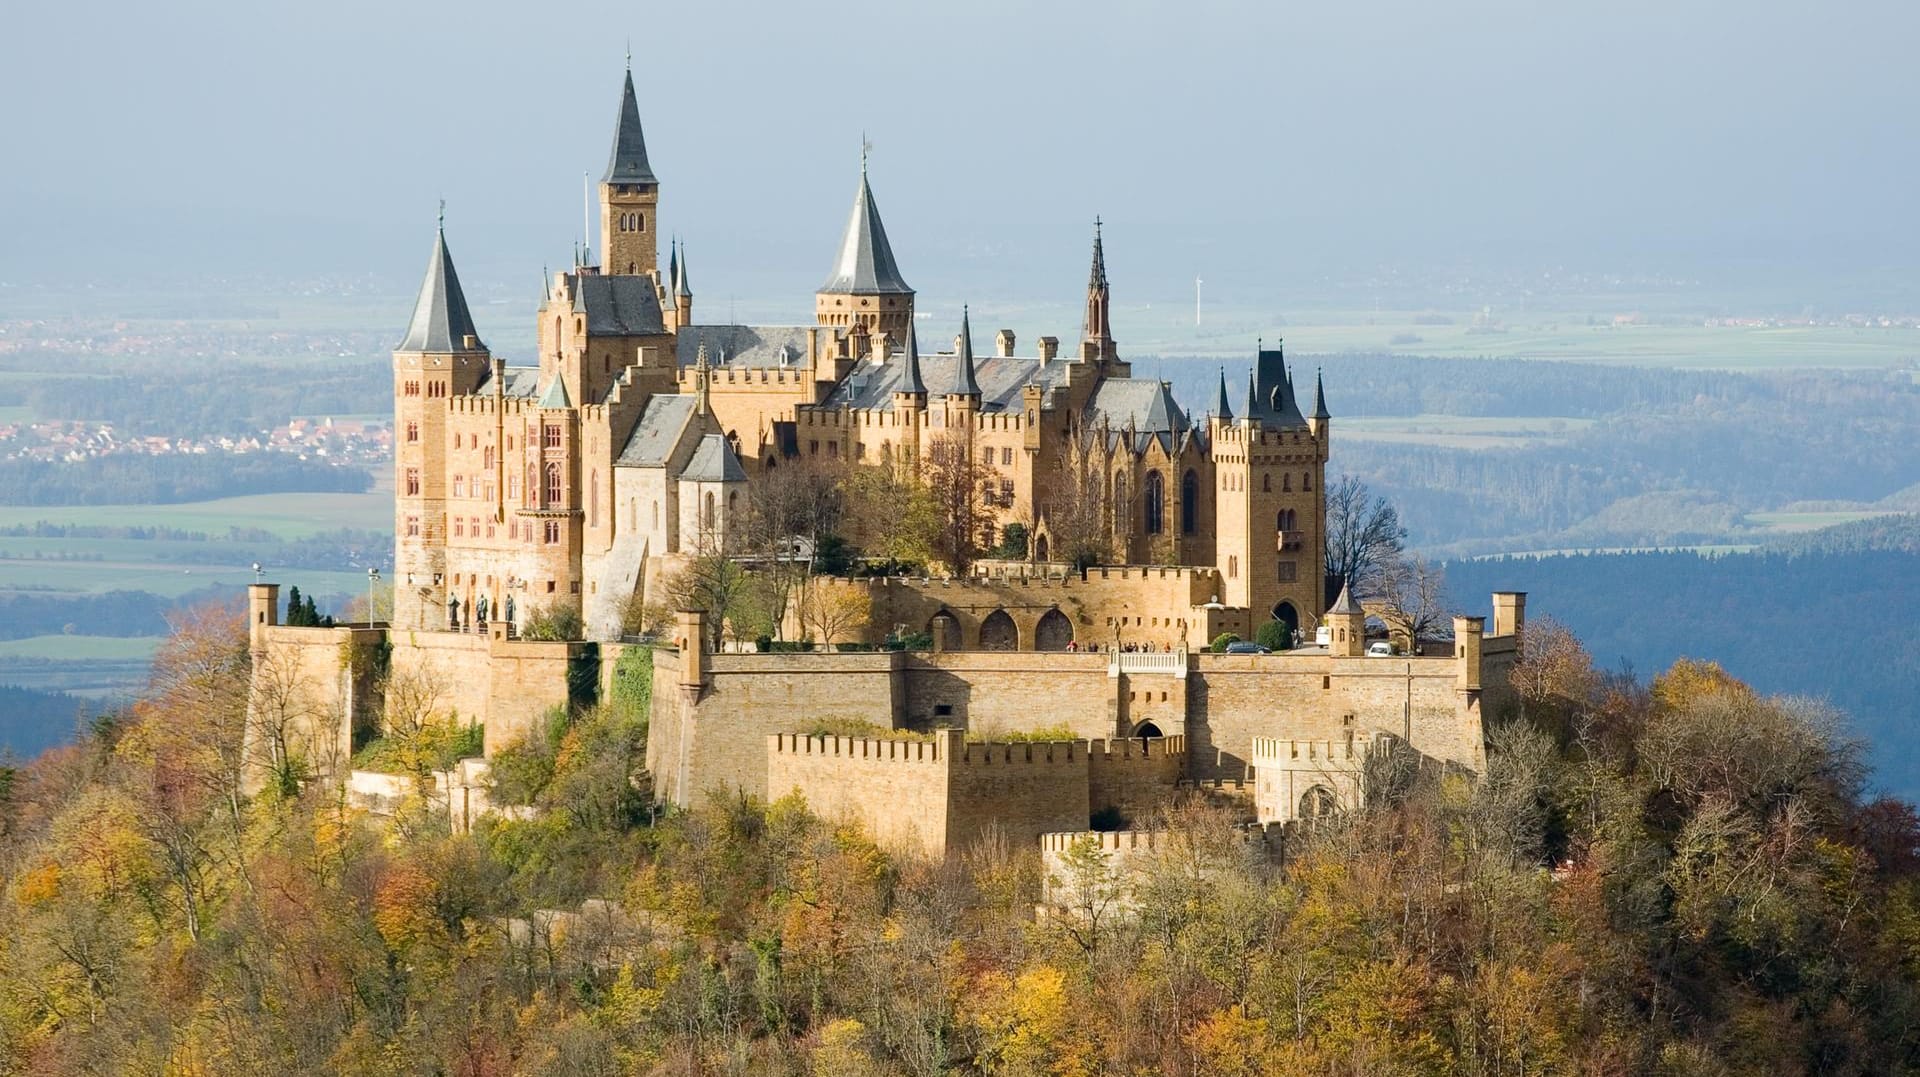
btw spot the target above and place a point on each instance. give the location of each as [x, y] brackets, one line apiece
[744, 345]
[556, 393]
[618, 305]
[872, 384]
[714, 461]
[523, 382]
[1345, 603]
[1319, 397]
[658, 431]
[1144, 404]
[865, 264]
[910, 379]
[965, 383]
[440, 321]
[628, 161]
[1220, 407]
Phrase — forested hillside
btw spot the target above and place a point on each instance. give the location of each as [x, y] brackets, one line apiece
[1830, 617]
[1679, 878]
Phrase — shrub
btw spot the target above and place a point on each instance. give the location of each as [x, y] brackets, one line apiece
[912, 641]
[1273, 636]
[1222, 641]
[555, 621]
[1013, 543]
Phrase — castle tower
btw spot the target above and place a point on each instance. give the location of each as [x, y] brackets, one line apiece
[865, 287]
[440, 357]
[629, 197]
[682, 290]
[910, 396]
[1096, 339]
[963, 400]
[1346, 627]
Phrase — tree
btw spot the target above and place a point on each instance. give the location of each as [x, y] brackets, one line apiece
[1413, 599]
[788, 521]
[954, 477]
[890, 510]
[717, 585]
[830, 610]
[1077, 510]
[1363, 536]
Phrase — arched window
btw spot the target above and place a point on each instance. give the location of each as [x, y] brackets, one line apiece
[1306, 480]
[1153, 492]
[554, 495]
[1189, 503]
[639, 222]
[486, 458]
[1266, 482]
[593, 497]
[706, 516]
[1122, 512]
[533, 485]
[1286, 483]
[1287, 521]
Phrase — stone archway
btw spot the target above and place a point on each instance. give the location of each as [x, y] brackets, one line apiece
[944, 627]
[1288, 617]
[1040, 549]
[1317, 803]
[1053, 633]
[999, 633]
[1148, 729]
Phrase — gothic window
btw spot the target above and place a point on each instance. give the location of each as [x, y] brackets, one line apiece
[1153, 492]
[1189, 502]
[553, 536]
[1287, 520]
[459, 486]
[593, 497]
[533, 485]
[707, 514]
[513, 487]
[413, 482]
[552, 440]
[1006, 457]
[554, 496]
[1286, 483]
[1266, 482]
[1306, 480]
[1233, 566]
[413, 431]
[459, 527]
[1122, 512]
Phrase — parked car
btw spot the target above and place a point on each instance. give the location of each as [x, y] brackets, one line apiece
[1380, 649]
[1246, 647]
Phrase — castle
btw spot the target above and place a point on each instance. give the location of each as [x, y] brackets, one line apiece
[642, 436]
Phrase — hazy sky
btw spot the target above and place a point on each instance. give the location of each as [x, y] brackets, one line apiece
[1257, 144]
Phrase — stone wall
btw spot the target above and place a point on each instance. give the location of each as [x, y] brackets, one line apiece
[1134, 777]
[895, 789]
[1022, 790]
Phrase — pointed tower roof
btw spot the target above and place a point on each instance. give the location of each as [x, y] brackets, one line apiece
[1220, 407]
[1319, 397]
[682, 287]
[1253, 399]
[912, 382]
[1345, 603]
[865, 263]
[969, 385]
[673, 266]
[556, 393]
[628, 161]
[1098, 278]
[440, 321]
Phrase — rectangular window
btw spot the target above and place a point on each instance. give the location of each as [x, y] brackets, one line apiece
[413, 431]
[1287, 570]
[1006, 457]
[459, 486]
[859, 450]
[489, 527]
[1006, 492]
[576, 587]
[549, 586]
[473, 526]
[413, 482]
[509, 442]
[513, 487]
[986, 457]
[489, 489]
[553, 531]
[833, 448]
[553, 435]
[813, 448]
[413, 527]
[459, 527]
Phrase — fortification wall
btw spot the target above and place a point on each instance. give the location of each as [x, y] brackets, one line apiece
[306, 680]
[506, 685]
[1295, 778]
[991, 692]
[1125, 852]
[895, 789]
[1135, 777]
[1024, 790]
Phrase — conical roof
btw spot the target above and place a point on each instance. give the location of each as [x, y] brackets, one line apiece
[912, 382]
[1345, 603]
[1220, 406]
[440, 321]
[683, 288]
[628, 161]
[1319, 397]
[673, 266]
[969, 385]
[865, 264]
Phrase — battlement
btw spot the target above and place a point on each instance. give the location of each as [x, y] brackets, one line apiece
[1174, 746]
[1285, 750]
[1237, 787]
[863, 749]
[1003, 753]
[723, 378]
[1108, 841]
[483, 404]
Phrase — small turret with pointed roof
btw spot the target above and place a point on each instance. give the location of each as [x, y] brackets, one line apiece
[966, 383]
[555, 395]
[683, 286]
[1346, 626]
[1252, 412]
[441, 322]
[1320, 417]
[1221, 410]
[910, 380]
[673, 267]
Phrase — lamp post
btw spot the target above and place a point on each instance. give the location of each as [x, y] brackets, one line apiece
[373, 577]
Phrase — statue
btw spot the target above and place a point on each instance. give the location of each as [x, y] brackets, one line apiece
[509, 609]
[480, 610]
[453, 611]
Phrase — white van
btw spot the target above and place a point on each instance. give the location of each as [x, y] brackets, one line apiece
[1380, 649]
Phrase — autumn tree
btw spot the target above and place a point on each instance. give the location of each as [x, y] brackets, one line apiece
[890, 510]
[831, 611]
[954, 479]
[1077, 510]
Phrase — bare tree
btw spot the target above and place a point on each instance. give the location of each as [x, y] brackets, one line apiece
[1076, 509]
[787, 518]
[717, 584]
[1363, 536]
[1412, 596]
[889, 509]
[954, 476]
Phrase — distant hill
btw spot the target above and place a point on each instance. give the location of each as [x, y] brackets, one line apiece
[1831, 613]
[33, 721]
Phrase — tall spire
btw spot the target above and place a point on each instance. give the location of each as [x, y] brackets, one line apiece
[969, 385]
[1320, 413]
[628, 162]
[1220, 408]
[1253, 411]
[1099, 323]
[683, 287]
[911, 381]
[440, 322]
[865, 264]
[673, 266]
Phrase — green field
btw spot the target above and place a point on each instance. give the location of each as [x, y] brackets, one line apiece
[170, 581]
[1786, 522]
[287, 515]
[82, 648]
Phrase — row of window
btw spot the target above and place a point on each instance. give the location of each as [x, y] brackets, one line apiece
[476, 527]
[1288, 571]
[1234, 482]
[434, 388]
[631, 222]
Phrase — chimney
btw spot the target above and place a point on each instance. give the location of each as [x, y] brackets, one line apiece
[1049, 347]
[1003, 344]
